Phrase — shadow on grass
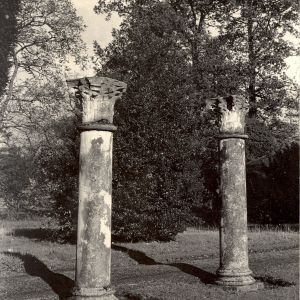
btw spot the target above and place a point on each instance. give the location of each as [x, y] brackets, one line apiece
[44, 234]
[141, 258]
[41, 234]
[60, 284]
[273, 282]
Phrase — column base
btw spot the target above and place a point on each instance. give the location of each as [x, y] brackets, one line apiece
[229, 277]
[235, 280]
[92, 294]
[243, 288]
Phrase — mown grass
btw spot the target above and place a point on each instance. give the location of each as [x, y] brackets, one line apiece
[32, 237]
[27, 249]
[35, 237]
[201, 244]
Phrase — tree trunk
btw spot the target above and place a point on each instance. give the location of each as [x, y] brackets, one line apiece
[10, 88]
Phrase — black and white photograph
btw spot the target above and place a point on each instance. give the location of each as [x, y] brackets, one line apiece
[149, 149]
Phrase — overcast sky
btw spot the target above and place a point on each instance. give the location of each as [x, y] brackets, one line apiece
[97, 28]
[100, 30]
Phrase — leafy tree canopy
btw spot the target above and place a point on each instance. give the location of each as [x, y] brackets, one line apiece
[48, 33]
[174, 55]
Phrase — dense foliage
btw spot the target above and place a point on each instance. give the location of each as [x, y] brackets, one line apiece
[39, 161]
[273, 187]
[165, 152]
[48, 34]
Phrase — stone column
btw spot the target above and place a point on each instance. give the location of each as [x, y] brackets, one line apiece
[234, 271]
[93, 258]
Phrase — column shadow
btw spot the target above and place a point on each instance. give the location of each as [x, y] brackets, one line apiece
[59, 283]
[141, 258]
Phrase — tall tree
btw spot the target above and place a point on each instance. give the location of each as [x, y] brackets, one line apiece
[37, 121]
[191, 21]
[8, 31]
[174, 54]
[48, 33]
[260, 34]
[159, 123]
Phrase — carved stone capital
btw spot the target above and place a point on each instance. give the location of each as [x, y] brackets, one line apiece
[231, 112]
[98, 95]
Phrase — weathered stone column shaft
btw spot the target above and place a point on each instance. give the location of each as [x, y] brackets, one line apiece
[94, 215]
[234, 270]
[93, 257]
[234, 239]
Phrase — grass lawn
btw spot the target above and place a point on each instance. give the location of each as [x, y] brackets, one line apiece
[180, 269]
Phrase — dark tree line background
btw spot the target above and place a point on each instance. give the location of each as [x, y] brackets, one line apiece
[173, 55]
